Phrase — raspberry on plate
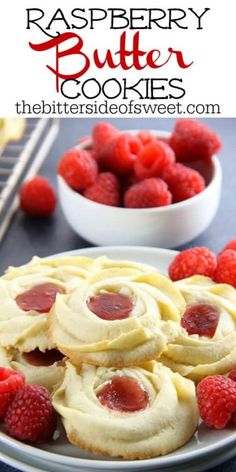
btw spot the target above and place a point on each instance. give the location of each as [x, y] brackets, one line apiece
[182, 181]
[31, 416]
[230, 245]
[10, 382]
[193, 140]
[194, 261]
[102, 133]
[78, 168]
[120, 153]
[216, 397]
[232, 374]
[226, 268]
[105, 189]
[148, 193]
[152, 159]
[37, 197]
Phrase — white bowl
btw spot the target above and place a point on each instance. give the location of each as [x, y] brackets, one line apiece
[167, 227]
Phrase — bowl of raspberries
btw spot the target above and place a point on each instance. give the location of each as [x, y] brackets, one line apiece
[142, 187]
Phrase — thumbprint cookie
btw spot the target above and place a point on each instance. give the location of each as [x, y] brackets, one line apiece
[134, 412]
[207, 343]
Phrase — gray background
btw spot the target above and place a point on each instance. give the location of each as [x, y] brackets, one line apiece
[28, 237]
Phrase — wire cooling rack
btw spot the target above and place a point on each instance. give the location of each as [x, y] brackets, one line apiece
[20, 161]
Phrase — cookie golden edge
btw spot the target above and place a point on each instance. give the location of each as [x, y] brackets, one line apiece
[76, 440]
[171, 437]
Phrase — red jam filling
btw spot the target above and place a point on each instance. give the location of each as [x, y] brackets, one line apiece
[124, 394]
[46, 359]
[201, 318]
[111, 306]
[39, 298]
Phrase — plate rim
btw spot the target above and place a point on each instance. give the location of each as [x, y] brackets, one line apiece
[101, 464]
[165, 460]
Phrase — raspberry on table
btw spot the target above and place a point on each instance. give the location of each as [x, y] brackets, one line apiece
[78, 168]
[152, 159]
[120, 153]
[193, 261]
[230, 245]
[226, 268]
[216, 397]
[102, 133]
[148, 193]
[10, 382]
[105, 189]
[193, 140]
[31, 416]
[182, 181]
[37, 197]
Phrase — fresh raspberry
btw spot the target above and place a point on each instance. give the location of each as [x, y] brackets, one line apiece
[232, 374]
[37, 197]
[145, 136]
[182, 181]
[231, 245]
[203, 167]
[216, 397]
[148, 193]
[31, 416]
[226, 268]
[152, 159]
[193, 140]
[105, 189]
[78, 168]
[10, 382]
[194, 261]
[120, 153]
[102, 133]
[201, 318]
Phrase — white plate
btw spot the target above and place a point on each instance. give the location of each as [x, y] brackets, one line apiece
[207, 448]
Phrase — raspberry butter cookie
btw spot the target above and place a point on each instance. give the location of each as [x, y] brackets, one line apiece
[116, 319]
[134, 412]
[207, 345]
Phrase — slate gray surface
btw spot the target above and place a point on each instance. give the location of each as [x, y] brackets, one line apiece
[27, 237]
